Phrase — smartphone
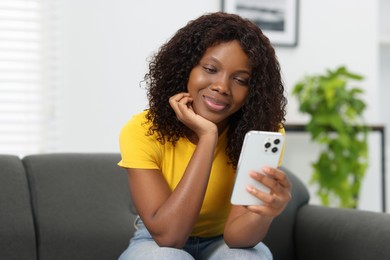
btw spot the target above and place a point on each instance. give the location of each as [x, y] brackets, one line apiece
[260, 148]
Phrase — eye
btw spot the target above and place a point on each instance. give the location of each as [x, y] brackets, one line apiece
[210, 69]
[242, 81]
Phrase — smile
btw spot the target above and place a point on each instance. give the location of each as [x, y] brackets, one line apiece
[214, 104]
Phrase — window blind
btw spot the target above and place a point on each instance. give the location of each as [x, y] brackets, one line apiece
[23, 112]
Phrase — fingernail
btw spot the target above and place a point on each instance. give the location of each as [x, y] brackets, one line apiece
[250, 189]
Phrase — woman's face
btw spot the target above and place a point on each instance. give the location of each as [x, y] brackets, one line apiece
[219, 83]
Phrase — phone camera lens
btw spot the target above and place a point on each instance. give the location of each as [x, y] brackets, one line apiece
[274, 150]
[276, 141]
[267, 145]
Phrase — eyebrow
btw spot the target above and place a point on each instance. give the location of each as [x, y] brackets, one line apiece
[247, 71]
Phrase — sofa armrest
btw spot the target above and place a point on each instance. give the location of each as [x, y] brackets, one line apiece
[17, 234]
[335, 233]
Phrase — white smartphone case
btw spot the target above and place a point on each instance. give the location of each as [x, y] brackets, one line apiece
[260, 148]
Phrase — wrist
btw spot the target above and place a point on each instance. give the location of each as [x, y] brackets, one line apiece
[210, 137]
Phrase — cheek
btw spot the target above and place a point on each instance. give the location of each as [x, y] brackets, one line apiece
[195, 81]
[241, 95]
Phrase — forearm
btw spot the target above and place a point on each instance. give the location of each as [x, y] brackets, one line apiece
[247, 229]
[174, 220]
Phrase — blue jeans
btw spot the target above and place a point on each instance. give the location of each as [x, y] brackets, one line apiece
[142, 246]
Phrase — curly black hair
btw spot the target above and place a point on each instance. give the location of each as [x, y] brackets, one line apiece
[170, 67]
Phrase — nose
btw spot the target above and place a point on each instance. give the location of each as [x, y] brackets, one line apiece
[221, 85]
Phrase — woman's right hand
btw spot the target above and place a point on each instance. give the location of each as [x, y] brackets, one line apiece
[182, 105]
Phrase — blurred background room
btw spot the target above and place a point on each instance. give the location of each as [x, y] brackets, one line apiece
[71, 72]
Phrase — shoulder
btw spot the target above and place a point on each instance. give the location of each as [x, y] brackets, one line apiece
[138, 119]
[135, 130]
[282, 130]
[137, 124]
[138, 148]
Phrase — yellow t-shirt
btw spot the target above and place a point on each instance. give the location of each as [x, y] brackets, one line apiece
[143, 151]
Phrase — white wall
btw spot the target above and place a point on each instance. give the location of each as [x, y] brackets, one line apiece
[103, 47]
[103, 50]
[333, 33]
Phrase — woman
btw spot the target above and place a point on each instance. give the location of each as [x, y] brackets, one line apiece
[213, 81]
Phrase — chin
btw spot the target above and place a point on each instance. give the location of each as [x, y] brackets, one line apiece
[215, 119]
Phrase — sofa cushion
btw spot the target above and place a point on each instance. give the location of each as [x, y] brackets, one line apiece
[82, 205]
[17, 236]
[324, 233]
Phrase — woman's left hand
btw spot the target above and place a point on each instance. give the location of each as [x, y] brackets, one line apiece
[280, 192]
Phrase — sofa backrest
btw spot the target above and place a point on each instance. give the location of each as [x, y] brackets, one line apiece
[81, 209]
[17, 235]
[81, 205]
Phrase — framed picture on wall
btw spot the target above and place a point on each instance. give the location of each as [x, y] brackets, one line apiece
[278, 19]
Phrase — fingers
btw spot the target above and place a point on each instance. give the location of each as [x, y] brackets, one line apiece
[181, 104]
[274, 179]
[180, 99]
[280, 191]
[267, 198]
[277, 175]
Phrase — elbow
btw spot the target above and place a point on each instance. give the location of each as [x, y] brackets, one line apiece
[231, 243]
[169, 236]
[239, 245]
[234, 242]
[169, 241]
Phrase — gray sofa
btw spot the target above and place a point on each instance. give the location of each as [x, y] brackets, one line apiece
[77, 206]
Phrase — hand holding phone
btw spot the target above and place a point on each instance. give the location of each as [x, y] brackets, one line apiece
[260, 148]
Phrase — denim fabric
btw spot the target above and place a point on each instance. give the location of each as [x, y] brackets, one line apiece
[142, 246]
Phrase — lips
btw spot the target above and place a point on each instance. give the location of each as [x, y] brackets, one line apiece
[214, 104]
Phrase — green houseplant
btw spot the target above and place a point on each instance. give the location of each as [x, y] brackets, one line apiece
[336, 123]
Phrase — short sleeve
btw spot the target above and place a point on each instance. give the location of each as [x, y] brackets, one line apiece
[139, 150]
[284, 144]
